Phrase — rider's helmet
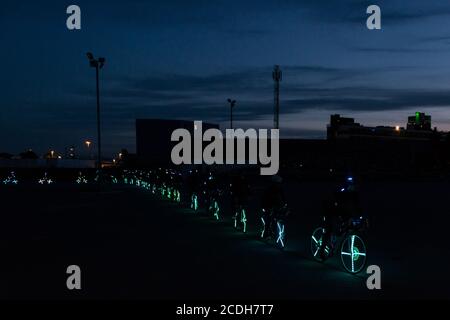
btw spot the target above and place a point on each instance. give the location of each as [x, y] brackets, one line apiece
[348, 185]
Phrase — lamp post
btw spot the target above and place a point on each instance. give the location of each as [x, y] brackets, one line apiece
[97, 64]
[88, 147]
[232, 104]
[276, 75]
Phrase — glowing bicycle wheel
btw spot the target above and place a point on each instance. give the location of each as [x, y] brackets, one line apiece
[244, 220]
[316, 245]
[194, 202]
[235, 219]
[280, 234]
[353, 253]
[215, 209]
[262, 233]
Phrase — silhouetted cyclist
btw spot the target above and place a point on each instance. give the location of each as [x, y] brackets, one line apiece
[194, 184]
[273, 202]
[273, 196]
[340, 211]
[209, 187]
[240, 190]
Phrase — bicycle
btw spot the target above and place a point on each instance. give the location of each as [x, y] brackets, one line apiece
[240, 218]
[214, 208]
[353, 250]
[194, 202]
[212, 205]
[274, 225]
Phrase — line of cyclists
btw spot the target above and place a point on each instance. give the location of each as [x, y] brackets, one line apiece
[342, 228]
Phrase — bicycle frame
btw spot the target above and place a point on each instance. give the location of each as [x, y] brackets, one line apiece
[194, 202]
[277, 235]
[214, 207]
[241, 215]
[351, 245]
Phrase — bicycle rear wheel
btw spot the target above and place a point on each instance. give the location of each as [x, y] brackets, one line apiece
[319, 253]
[353, 253]
[194, 202]
[244, 220]
[262, 233]
[280, 235]
[215, 209]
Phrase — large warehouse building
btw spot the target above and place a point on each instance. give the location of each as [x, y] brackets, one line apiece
[153, 138]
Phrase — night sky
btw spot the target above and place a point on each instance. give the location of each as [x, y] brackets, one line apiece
[182, 59]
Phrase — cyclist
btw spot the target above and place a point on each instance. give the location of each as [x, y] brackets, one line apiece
[340, 211]
[240, 190]
[273, 202]
[194, 187]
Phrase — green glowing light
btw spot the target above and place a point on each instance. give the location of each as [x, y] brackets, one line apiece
[280, 238]
[194, 202]
[216, 210]
[263, 227]
[319, 249]
[244, 220]
[352, 252]
[355, 254]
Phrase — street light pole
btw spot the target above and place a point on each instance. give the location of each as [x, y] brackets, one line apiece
[276, 75]
[232, 104]
[97, 64]
[99, 149]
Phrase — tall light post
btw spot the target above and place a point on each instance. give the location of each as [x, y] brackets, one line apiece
[276, 75]
[232, 104]
[97, 64]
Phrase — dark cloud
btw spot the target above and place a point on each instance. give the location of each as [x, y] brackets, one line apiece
[444, 39]
[417, 11]
[393, 12]
[196, 97]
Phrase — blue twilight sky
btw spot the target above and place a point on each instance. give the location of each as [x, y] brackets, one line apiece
[183, 59]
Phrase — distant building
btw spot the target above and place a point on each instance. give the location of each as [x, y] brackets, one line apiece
[418, 128]
[341, 125]
[420, 121]
[153, 138]
[345, 128]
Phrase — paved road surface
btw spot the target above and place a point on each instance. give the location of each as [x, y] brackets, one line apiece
[130, 244]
